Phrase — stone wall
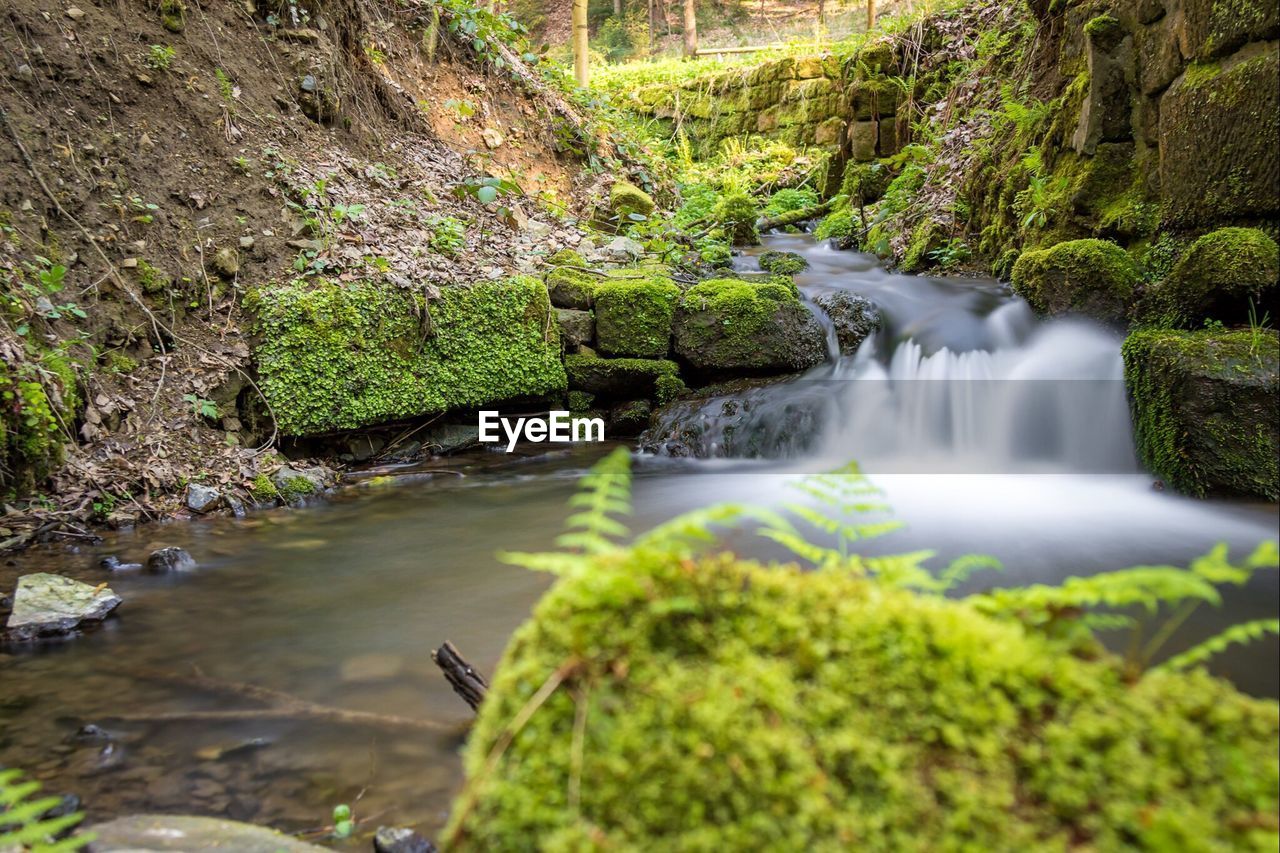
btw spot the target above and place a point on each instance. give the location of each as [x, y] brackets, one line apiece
[835, 103]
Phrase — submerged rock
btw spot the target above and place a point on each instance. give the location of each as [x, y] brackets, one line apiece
[168, 560]
[1204, 409]
[189, 834]
[854, 317]
[628, 420]
[48, 605]
[399, 839]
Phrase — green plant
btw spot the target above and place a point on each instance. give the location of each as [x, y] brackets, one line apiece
[23, 825]
[202, 407]
[160, 57]
[448, 235]
[1258, 327]
[949, 254]
[343, 822]
[227, 89]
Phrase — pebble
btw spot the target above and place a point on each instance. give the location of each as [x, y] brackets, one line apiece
[170, 560]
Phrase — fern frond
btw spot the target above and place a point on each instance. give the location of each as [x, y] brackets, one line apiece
[553, 562]
[604, 492]
[959, 570]
[691, 532]
[1142, 586]
[1245, 632]
[22, 822]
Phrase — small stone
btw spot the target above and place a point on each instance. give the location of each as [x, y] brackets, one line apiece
[46, 605]
[492, 137]
[202, 498]
[400, 839]
[308, 84]
[112, 564]
[226, 262]
[25, 72]
[170, 560]
[75, 13]
[246, 243]
[624, 249]
[129, 264]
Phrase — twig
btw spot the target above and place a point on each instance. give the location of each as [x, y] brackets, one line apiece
[462, 676]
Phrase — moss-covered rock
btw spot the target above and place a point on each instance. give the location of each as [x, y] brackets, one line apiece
[1092, 277]
[621, 378]
[1219, 135]
[566, 258]
[736, 213]
[573, 287]
[656, 703]
[783, 263]
[38, 404]
[626, 198]
[338, 356]
[734, 325]
[1220, 277]
[1204, 408]
[633, 318]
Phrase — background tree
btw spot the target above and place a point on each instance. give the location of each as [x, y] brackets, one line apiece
[690, 28]
[580, 34]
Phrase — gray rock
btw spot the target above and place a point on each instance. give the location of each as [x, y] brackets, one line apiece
[112, 564]
[203, 498]
[365, 447]
[48, 605]
[144, 833]
[450, 438]
[168, 560]
[576, 327]
[853, 316]
[400, 839]
[226, 262]
[319, 477]
[308, 84]
[623, 249]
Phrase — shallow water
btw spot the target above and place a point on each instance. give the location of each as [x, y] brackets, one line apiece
[341, 603]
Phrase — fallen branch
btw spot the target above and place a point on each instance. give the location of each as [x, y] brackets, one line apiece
[462, 676]
[782, 220]
[282, 706]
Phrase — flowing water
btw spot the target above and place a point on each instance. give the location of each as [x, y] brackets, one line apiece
[989, 431]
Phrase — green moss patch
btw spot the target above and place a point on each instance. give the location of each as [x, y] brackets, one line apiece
[626, 199]
[1220, 276]
[736, 213]
[729, 324]
[336, 356]
[1204, 408]
[783, 263]
[628, 378]
[38, 403]
[724, 705]
[633, 318]
[1093, 277]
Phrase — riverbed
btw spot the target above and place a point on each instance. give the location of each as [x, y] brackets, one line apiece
[341, 603]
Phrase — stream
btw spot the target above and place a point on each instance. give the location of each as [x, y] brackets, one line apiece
[989, 431]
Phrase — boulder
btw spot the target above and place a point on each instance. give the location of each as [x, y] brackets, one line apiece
[783, 263]
[1219, 139]
[1219, 277]
[167, 560]
[1105, 113]
[621, 249]
[623, 378]
[1091, 277]
[400, 839]
[1204, 409]
[203, 498]
[633, 317]
[853, 316]
[863, 138]
[727, 325]
[294, 483]
[576, 327]
[48, 605]
[628, 420]
[626, 199]
[572, 287]
[189, 834]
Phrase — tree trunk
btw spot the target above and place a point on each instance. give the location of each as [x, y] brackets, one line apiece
[871, 15]
[690, 28]
[617, 8]
[580, 70]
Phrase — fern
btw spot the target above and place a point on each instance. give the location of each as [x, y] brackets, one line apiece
[23, 825]
[1245, 632]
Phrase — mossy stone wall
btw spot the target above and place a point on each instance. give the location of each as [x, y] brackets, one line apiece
[341, 355]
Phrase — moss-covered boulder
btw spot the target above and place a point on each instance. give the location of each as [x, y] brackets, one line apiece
[1204, 408]
[653, 703]
[573, 287]
[1219, 137]
[624, 378]
[38, 404]
[783, 263]
[341, 355]
[633, 317]
[1220, 276]
[730, 325]
[737, 213]
[1092, 277]
[626, 199]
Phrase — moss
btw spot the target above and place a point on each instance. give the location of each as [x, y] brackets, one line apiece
[1219, 277]
[580, 401]
[837, 226]
[736, 213]
[343, 355]
[153, 280]
[39, 399]
[1093, 277]
[120, 363]
[865, 182]
[783, 263]
[733, 324]
[633, 318]
[173, 15]
[1204, 411]
[263, 490]
[668, 388]
[618, 377]
[926, 236]
[296, 488]
[1104, 31]
[566, 258]
[626, 200]
[790, 199]
[717, 704]
[572, 287]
